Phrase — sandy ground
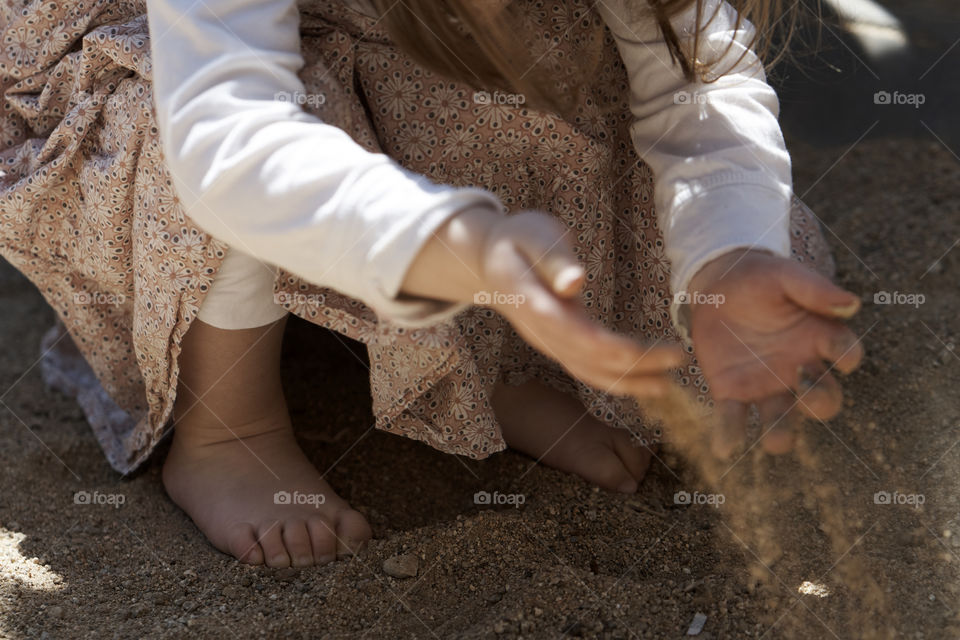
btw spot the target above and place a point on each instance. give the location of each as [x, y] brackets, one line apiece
[571, 561]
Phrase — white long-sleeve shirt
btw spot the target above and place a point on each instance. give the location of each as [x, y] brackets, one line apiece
[279, 184]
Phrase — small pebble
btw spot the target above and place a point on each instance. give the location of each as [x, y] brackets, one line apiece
[401, 566]
[286, 575]
[55, 612]
[696, 626]
[231, 591]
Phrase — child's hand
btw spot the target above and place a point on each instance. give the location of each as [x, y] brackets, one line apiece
[766, 340]
[523, 266]
[533, 279]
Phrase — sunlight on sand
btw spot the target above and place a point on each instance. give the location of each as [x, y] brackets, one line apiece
[14, 566]
[878, 31]
[814, 589]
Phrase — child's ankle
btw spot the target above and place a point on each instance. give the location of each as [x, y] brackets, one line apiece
[202, 428]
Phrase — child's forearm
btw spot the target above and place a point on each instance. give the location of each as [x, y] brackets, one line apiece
[450, 264]
[286, 187]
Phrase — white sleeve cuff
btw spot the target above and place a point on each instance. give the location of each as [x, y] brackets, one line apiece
[741, 216]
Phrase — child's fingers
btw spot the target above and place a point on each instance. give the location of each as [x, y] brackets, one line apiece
[562, 330]
[730, 433]
[630, 367]
[544, 243]
[839, 345]
[631, 370]
[631, 356]
[779, 420]
[636, 386]
[816, 293]
[602, 360]
[824, 399]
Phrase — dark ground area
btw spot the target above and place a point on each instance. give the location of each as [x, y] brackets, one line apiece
[572, 561]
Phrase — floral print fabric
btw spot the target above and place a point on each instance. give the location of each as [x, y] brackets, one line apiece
[88, 213]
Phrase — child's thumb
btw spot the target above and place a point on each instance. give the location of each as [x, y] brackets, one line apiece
[817, 294]
[544, 244]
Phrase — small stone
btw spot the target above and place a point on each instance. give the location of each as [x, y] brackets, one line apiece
[696, 626]
[139, 609]
[55, 612]
[231, 591]
[12, 526]
[286, 575]
[401, 566]
[189, 605]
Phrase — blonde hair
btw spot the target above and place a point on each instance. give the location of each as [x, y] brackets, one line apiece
[477, 41]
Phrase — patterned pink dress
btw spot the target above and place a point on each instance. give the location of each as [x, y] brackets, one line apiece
[87, 212]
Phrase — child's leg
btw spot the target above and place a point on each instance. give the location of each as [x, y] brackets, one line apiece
[556, 430]
[235, 467]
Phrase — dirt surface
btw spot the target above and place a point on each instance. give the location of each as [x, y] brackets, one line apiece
[571, 561]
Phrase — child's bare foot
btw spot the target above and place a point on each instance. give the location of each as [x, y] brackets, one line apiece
[235, 467]
[554, 428]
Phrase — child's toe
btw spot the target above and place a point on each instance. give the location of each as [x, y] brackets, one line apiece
[353, 532]
[323, 538]
[635, 458]
[242, 544]
[270, 536]
[296, 539]
[602, 466]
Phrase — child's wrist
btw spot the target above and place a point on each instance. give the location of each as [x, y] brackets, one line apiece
[704, 280]
[449, 266]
